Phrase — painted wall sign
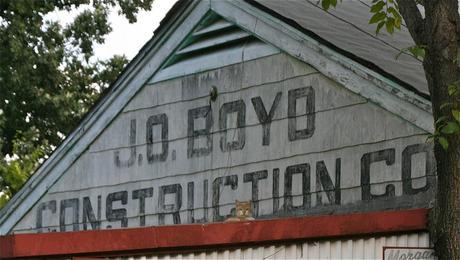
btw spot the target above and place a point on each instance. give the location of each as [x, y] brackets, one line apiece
[279, 134]
[409, 253]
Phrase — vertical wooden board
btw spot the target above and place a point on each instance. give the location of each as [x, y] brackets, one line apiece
[391, 241]
[369, 248]
[247, 253]
[299, 251]
[402, 240]
[350, 248]
[379, 243]
[413, 240]
[324, 249]
[269, 252]
[225, 254]
[336, 249]
[424, 240]
[280, 252]
[259, 252]
[313, 250]
[304, 247]
[212, 255]
[291, 252]
[347, 249]
[358, 249]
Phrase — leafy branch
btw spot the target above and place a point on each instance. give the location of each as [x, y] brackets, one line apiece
[326, 4]
[417, 51]
[385, 14]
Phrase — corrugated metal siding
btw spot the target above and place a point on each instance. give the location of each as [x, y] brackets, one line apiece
[357, 248]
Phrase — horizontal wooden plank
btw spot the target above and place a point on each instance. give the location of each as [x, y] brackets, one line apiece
[245, 73]
[102, 179]
[96, 169]
[327, 97]
[214, 27]
[214, 42]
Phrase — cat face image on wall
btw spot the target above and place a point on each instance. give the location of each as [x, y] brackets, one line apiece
[243, 211]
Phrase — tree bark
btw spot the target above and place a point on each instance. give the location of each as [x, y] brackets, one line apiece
[439, 31]
[441, 68]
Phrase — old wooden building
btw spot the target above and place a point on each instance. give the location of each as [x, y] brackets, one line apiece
[307, 114]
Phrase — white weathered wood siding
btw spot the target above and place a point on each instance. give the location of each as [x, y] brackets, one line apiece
[357, 248]
[348, 130]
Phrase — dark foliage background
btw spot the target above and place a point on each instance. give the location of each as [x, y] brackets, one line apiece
[49, 77]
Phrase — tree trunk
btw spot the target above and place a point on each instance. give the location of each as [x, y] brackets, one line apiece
[442, 69]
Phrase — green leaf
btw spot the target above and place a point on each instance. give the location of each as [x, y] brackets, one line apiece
[379, 26]
[326, 4]
[3, 200]
[419, 52]
[393, 11]
[377, 7]
[377, 17]
[390, 25]
[396, 16]
[451, 128]
[456, 114]
[452, 89]
[398, 22]
[443, 142]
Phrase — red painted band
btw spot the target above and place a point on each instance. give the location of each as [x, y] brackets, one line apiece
[196, 236]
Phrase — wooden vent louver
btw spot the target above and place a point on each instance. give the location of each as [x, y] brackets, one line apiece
[212, 35]
[214, 43]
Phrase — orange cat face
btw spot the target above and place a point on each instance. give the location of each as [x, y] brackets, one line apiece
[243, 209]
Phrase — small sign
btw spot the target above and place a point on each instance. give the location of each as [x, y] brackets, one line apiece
[408, 253]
